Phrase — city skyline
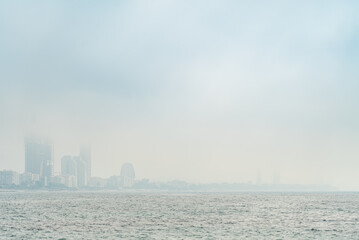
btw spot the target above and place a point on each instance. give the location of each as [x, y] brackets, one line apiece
[69, 164]
[75, 172]
[40, 150]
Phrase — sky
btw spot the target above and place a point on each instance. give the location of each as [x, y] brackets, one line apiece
[201, 91]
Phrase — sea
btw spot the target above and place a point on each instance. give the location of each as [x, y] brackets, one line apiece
[183, 215]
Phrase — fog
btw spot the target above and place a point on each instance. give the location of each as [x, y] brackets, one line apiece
[201, 91]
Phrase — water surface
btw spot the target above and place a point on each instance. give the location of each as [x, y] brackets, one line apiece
[111, 215]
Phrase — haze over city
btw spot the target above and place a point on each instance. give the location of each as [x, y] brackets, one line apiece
[205, 91]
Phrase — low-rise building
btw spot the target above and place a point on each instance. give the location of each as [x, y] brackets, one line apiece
[29, 179]
[97, 182]
[9, 178]
[70, 181]
[114, 182]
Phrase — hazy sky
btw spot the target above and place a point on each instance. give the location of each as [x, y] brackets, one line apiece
[202, 91]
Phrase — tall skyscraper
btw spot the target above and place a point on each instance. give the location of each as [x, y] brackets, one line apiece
[76, 167]
[85, 155]
[74, 170]
[39, 156]
[68, 166]
[82, 171]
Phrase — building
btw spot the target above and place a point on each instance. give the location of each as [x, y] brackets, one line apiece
[68, 166]
[29, 179]
[126, 178]
[9, 178]
[58, 180]
[85, 155]
[114, 182]
[82, 172]
[127, 175]
[96, 182]
[39, 157]
[75, 169]
[70, 181]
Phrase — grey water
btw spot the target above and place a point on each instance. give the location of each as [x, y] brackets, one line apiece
[139, 215]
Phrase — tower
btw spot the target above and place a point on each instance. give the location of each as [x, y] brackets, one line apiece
[127, 176]
[85, 155]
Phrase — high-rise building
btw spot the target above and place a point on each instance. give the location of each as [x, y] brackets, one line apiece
[82, 170]
[75, 166]
[69, 171]
[39, 157]
[68, 166]
[127, 175]
[85, 155]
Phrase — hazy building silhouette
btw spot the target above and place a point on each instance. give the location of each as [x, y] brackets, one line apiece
[9, 178]
[85, 154]
[58, 180]
[82, 171]
[127, 176]
[77, 167]
[96, 182]
[29, 179]
[70, 181]
[39, 157]
[68, 166]
[69, 171]
[114, 182]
